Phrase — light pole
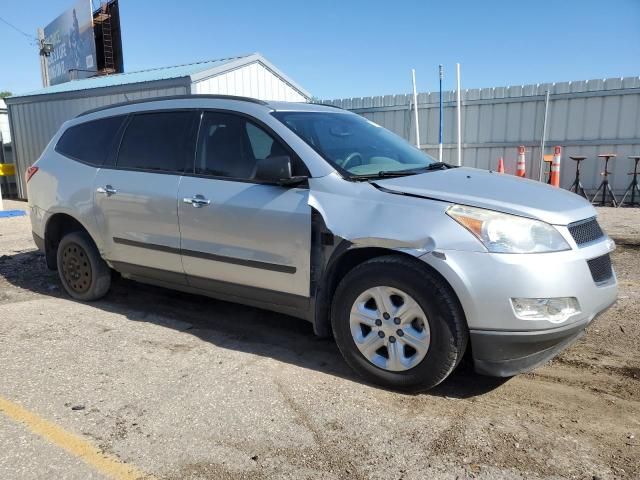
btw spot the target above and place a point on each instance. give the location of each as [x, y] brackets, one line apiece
[441, 73]
[544, 135]
[415, 107]
[459, 119]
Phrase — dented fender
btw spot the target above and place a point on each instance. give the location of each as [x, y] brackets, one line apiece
[368, 216]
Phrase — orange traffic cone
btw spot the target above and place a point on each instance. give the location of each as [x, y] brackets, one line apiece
[500, 165]
[520, 165]
[554, 179]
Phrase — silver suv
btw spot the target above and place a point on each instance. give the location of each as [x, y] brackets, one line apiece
[318, 213]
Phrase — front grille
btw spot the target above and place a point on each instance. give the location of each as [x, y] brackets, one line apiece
[585, 231]
[600, 268]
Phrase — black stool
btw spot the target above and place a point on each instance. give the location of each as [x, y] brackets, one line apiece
[604, 185]
[577, 187]
[633, 186]
[547, 159]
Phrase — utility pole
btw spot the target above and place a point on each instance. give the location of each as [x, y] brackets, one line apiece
[45, 51]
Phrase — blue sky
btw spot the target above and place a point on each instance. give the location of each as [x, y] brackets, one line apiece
[350, 48]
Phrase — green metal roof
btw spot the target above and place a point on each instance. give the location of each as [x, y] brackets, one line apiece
[164, 73]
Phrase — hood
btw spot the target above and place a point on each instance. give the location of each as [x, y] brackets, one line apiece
[495, 191]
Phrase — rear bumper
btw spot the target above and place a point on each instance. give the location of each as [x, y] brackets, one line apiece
[504, 354]
[39, 241]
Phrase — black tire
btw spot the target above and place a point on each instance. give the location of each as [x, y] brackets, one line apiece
[449, 334]
[83, 273]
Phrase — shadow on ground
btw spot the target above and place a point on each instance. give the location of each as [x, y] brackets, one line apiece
[224, 324]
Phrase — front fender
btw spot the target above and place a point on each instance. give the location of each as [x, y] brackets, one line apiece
[368, 217]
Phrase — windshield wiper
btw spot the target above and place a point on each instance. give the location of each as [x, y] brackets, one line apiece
[438, 166]
[403, 173]
[394, 173]
[385, 174]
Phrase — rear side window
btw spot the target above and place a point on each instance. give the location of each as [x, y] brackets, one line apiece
[161, 141]
[90, 142]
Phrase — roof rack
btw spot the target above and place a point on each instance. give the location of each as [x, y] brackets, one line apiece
[174, 97]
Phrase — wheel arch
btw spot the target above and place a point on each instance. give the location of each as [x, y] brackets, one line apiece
[345, 258]
[58, 225]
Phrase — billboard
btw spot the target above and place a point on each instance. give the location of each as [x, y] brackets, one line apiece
[74, 47]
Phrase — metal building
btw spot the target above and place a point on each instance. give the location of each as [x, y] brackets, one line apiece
[36, 116]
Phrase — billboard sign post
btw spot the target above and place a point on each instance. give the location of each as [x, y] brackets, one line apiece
[74, 46]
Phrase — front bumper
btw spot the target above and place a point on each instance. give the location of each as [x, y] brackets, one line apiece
[504, 354]
[503, 344]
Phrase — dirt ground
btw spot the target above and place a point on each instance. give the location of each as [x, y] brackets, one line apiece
[181, 386]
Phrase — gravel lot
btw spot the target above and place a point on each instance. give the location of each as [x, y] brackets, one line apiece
[181, 386]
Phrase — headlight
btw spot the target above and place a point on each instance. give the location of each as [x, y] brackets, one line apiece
[504, 233]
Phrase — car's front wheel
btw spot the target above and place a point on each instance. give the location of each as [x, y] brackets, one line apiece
[83, 273]
[398, 324]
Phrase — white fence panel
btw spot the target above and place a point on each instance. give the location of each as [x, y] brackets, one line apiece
[585, 117]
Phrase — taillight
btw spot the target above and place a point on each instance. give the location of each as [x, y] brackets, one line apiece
[31, 171]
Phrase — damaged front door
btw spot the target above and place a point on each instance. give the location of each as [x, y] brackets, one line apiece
[234, 229]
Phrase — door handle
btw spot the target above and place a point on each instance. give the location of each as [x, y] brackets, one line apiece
[107, 190]
[197, 201]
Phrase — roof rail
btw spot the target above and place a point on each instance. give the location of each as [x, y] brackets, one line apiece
[174, 97]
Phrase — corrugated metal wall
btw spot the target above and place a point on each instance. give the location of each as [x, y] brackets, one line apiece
[585, 117]
[34, 120]
[254, 80]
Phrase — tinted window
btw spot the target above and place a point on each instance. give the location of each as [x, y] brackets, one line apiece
[230, 145]
[260, 141]
[90, 142]
[160, 141]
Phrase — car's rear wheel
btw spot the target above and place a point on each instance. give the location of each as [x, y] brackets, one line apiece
[83, 273]
[398, 324]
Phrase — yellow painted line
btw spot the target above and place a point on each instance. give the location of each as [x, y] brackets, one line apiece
[104, 463]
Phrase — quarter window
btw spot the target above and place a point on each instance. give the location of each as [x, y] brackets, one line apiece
[90, 142]
[261, 142]
[161, 141]
[230, 146]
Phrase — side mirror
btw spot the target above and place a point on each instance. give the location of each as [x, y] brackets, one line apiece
[277, 170]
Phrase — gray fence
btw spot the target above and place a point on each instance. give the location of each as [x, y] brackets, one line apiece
[584, 117]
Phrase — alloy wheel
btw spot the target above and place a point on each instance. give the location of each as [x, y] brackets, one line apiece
[389, 328]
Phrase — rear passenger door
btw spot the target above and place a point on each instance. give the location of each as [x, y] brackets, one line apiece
[240, 236]
[136, 196]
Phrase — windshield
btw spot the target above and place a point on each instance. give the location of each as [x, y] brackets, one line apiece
[357, 146]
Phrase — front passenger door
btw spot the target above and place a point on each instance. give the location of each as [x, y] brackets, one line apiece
[236, 230]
